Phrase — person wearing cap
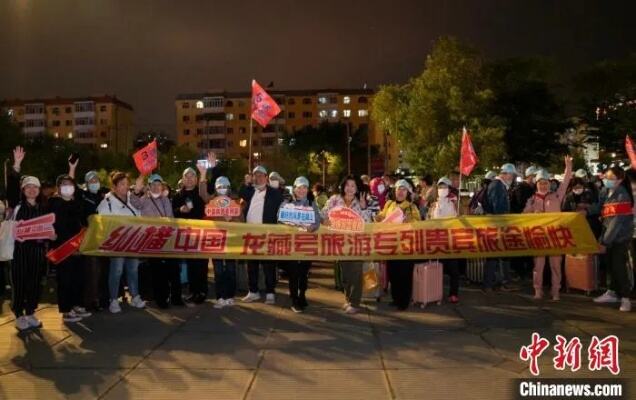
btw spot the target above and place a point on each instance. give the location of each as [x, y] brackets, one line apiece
[166, 280]
[224, 270]
[277, 182]
[477, 201]
[349, 196]
[580, 198]
[28, 256]
[298, 271]
[187, 203]
[260, 206]
[497, 201]
[69, 221]
[541, 202]
[400, 272]
[520, 194]
[118, 202]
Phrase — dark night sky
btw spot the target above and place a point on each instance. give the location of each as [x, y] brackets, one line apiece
[146, 52]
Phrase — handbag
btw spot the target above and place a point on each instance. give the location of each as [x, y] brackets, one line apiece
[7, 237]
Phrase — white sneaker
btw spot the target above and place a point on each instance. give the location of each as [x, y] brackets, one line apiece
[346, 305]
[270, 298]
[137, 302]
[81, 311]
[351, 310]
[33, 322]
[251, 297]
[21, 323]
[71, 317]
[229, 302]
[626, 304]
[607, 297]
[114, 306]
[220, 303]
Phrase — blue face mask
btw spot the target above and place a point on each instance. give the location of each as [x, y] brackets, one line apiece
[93, 187]
[609, 183]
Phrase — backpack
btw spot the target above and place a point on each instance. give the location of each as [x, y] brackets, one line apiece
[479, 203]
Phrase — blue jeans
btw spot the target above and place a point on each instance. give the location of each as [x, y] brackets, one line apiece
[225, 278]
[114, 275]
[496, 270]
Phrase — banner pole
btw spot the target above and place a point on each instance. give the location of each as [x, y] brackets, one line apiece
[249, 164]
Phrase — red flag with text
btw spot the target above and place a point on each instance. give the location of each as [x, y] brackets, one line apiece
[264, 108]
[468, 159]
[146, 158]
[629, 147]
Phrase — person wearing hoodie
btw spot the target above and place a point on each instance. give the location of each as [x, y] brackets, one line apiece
[187, 203]
[617, 216]
[166, 280]
[224, 269]
[401, 271]
[445, 207]
[541, 202]
[298, 271]
[117, 202]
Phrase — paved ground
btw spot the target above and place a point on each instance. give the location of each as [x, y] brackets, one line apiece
[254, 351]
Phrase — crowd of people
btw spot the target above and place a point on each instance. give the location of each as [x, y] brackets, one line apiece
[86, 284]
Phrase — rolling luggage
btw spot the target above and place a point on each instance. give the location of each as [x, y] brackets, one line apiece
[428, 282]
[581, 272]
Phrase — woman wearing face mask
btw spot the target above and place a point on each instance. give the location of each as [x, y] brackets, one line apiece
[541, 202]
[349, 197]
[166, 280]
[69, 220]
[401, 271]
[618, 227]
[277, 182]
[117, 202]
[445, 207]
[224, 269]
[581, 199]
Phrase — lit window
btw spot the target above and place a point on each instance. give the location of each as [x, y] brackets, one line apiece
[104, 145]
[56, 135]
[199, 104]
[346, 100]
[322, 100]
[243, 143]
[10, 112]
[70, 135]
[322, 113]
[346, 113]
[229, 116]
[333, 113]
[363, 113]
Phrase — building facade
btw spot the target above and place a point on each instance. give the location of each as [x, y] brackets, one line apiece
[220, 121]
[102, 121]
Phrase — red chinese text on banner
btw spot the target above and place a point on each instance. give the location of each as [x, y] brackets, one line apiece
[222, 206]
[264, 108]
[345, 219]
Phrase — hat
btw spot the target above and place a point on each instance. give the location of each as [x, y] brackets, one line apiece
[275, 176]
[189, 170]
[90, 175]
[64, 177]
[531, 170]
[444, 180]
[301, 181]
[30, 180]
[259, 169]
[490, 175]
[403, 183]
[221, 181]
[508, 169]
[580, 173]
[542, 174]
[155, 178]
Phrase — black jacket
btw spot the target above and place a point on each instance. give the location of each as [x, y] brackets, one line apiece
[519, 196]
[273, 200]
[69, 218]
[179, 200]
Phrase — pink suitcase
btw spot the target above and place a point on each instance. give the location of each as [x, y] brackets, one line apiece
[428, 283]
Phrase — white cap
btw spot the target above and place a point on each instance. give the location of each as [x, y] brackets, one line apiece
[542, 174]
[404, 183]
[531, 170]
[444, 180]
[508, 169]
[30, 180]
[301, 181]
[259, 169]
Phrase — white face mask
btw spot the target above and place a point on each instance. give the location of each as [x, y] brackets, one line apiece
[222, 191]
[442, 192]
[67, 190]
[155, 195]
[577, 191]
[93, 187]
[274, 184]
[381, 189]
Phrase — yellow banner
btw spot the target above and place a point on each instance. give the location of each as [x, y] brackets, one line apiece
[463, 237]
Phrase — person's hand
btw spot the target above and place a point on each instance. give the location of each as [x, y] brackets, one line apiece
[202, 171]
[72, 166]
[568, 161]
[212, 159]
[602, 249]
[139, 183]
[18, 157]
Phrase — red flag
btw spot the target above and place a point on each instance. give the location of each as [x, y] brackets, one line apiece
[468, 159]
[629, 147]
[146, 158]
[264, 108]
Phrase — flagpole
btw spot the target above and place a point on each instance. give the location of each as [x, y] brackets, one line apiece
[459, 189]
[249, 156]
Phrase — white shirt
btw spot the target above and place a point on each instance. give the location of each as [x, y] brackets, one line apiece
[255, 212]
[111, 205]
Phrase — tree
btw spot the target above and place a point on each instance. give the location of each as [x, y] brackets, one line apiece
[428, 113]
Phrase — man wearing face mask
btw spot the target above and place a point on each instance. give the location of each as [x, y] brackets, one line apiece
[260, 206]
[498, 202]
[277, 182]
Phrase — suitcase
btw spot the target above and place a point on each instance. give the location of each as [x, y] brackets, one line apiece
[376, 292]
[475, 269]
[428, 282]
[581, 272]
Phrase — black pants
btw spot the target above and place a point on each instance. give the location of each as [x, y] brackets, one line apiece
[298, 272]
[3, 283]
[198, 276]
[617, 266]
[401, 279]
[269, 270]
[26, 271]
[166, 280]
[96, 281]
[451, 267]
[70, 282]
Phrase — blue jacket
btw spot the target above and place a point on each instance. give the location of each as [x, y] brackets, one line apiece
[498, 200]
[616, 228]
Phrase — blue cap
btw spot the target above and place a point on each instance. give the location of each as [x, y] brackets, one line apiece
[155, 178]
